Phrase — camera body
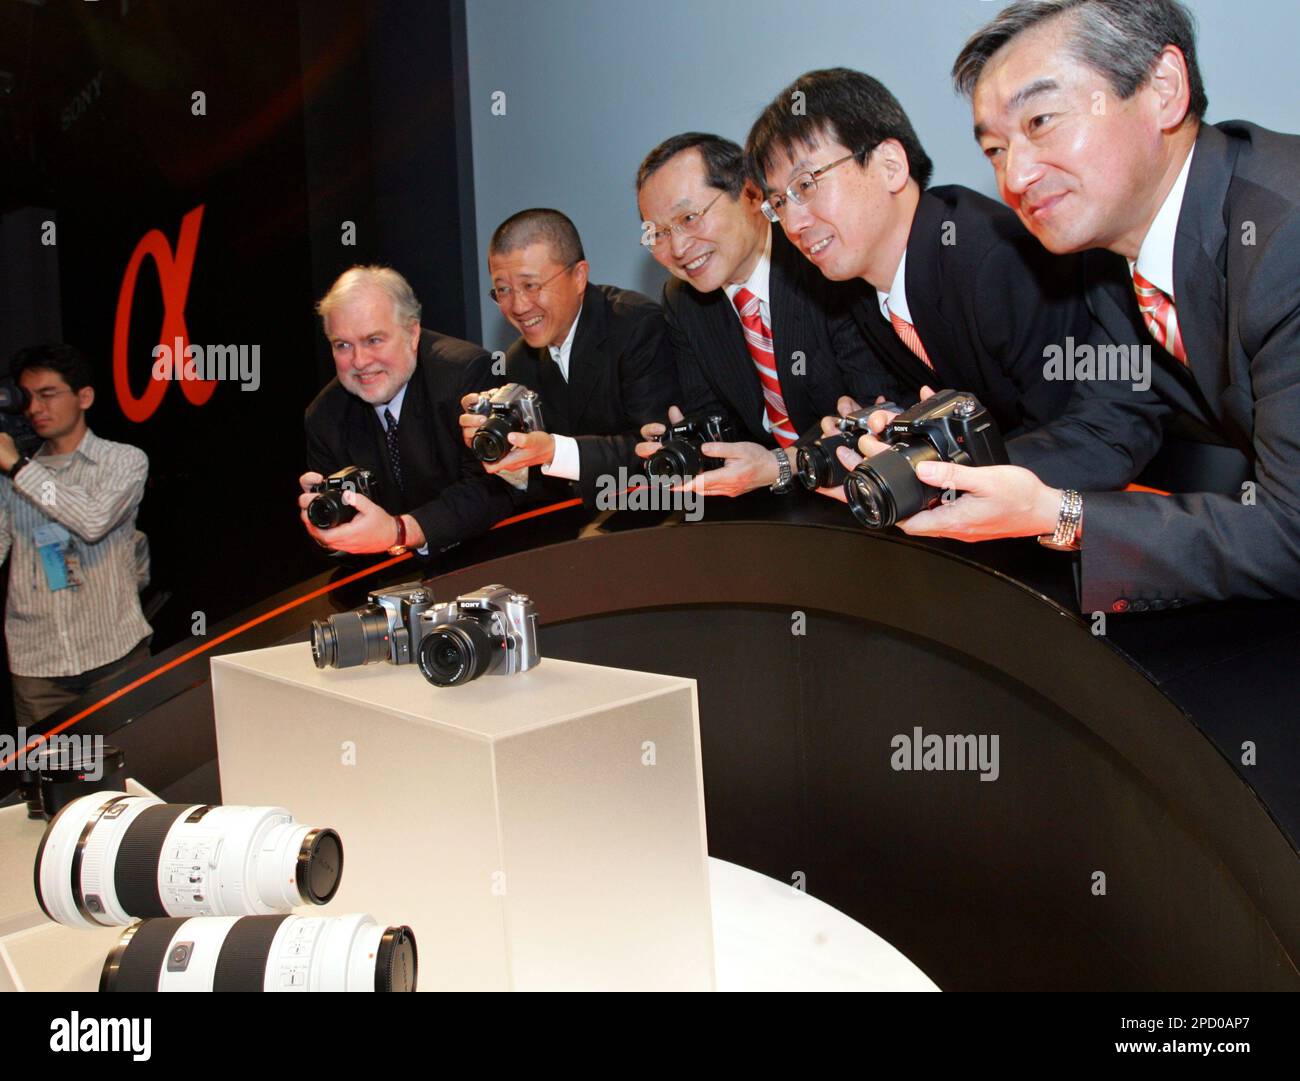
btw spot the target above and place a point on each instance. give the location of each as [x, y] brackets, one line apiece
[328, 510]
[951, 426]
[511, 408]
[492, 630]
[387, 628]
[679, 453]
[816, 461]
[14, 402]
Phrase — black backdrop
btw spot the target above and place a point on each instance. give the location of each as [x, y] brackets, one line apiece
[317, 113]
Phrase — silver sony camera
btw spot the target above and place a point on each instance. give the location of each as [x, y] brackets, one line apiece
[512, 408]
[386, 628]
[492, 630]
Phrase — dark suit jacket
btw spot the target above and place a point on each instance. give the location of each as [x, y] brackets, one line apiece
[620, 377]
[446, 490]
[1237, 293]
[812, 321]
[985, 298]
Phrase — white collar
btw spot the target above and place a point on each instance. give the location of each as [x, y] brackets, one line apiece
[394, 407]
[759, 281]
[560, 353]
[896, 299]
[1155, 260]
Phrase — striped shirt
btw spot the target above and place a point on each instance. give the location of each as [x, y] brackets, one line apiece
[94, 493]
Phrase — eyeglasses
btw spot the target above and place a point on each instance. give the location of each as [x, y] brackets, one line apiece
[800, 192]
[50, 393]
[502, 293]
[686, 224]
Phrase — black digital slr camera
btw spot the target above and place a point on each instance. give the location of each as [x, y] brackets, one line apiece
[679, 452]
[816, 462]
[387, 628]
[328, 510]
[951, 426]
[14, 401]
[512, 408]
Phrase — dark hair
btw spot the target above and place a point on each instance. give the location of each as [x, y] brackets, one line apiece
[67, 360]
[541, 223]
[724, 161]
[846, 105]
[1119, 38]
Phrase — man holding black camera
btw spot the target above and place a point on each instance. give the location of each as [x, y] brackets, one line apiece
[596, 356]
[390, 412]
[67, 524]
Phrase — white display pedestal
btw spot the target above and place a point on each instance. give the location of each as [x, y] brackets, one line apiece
[537, 831]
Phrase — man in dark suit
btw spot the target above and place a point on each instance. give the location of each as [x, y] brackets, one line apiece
[597, 355]
[961, 295]
[1201, 226]
[392, 409]
[757, 333]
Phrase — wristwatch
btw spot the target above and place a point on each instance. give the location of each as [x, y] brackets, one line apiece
[23, 460]
[1066, 536]
[785, 474]
[400, 547]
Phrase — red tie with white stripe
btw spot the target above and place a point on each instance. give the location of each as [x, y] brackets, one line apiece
[1157, 309]
[910, 337]
[758, 337]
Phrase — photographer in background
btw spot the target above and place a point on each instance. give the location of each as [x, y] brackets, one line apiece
[67, 524]
[392, 410]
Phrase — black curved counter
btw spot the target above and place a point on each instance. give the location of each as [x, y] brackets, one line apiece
[1135, 830]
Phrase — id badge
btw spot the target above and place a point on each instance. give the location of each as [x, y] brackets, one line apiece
[53, 542]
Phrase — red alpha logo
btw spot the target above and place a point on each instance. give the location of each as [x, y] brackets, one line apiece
[174, 271]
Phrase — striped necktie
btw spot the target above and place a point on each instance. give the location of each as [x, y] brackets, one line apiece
[909, 336]
[1161, 318]
[758, 337]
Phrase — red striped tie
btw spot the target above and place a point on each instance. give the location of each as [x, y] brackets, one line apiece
[910, 337]
[1162, 319]
[758, 336]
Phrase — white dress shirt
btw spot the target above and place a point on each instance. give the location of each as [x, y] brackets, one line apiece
[896, 299]
[1155, 260]
[564, 462]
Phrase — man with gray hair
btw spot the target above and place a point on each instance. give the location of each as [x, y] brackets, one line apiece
[1091, 114]
[392, 409]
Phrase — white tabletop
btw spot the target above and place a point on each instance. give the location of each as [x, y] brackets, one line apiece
[768, 936]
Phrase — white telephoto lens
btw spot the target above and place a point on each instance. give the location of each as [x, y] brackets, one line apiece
[109, 858]
[282, 953]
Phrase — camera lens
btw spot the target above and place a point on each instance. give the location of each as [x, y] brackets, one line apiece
[490, 441]
[347, 639]
[328, 510]
[455, 653]
[676, 458]
[110, 857]
[883, 490]
[68, 772]
[262, 953]
[818, 465]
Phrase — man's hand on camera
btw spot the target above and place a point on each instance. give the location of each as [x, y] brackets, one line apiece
[8, 452]
[749, 466]
[649, 432]
[530, 448]
[471, 422]
[372, 530]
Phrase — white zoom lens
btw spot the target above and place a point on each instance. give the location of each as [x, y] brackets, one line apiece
[109, 858]
[262, 953]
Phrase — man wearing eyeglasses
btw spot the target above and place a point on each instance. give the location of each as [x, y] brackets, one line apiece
[757, 333]
[597, 355]
[67, 525]
[962, 295]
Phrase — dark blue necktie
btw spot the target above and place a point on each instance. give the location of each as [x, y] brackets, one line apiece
[394, 454]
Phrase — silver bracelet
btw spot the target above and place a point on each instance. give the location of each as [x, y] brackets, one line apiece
[1067, 523]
